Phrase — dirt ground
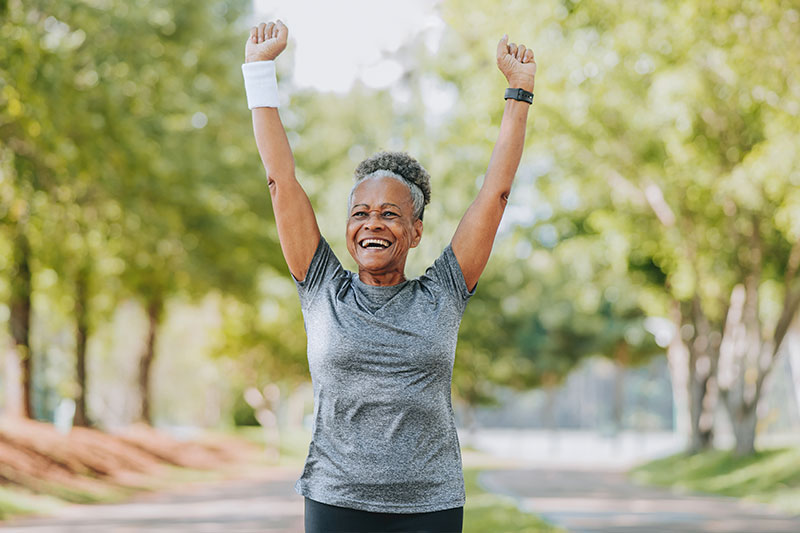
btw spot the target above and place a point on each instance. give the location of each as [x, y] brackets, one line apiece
[88, 465]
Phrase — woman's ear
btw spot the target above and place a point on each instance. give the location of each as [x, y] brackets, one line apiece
[417, 233]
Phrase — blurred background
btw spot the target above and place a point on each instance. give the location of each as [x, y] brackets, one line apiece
[643, 290]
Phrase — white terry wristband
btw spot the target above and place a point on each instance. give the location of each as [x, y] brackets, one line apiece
[260, 84]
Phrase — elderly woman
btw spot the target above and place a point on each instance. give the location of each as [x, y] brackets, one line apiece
[384, 452]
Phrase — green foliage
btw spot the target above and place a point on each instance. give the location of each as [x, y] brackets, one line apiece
[558, 287]
[662, 141]
[647, 173]
[770, 476]
[243, 414]
[125, 163]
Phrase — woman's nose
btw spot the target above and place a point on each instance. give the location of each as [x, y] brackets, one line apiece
[374, 221]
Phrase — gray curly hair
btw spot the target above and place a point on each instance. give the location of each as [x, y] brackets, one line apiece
[399, 166]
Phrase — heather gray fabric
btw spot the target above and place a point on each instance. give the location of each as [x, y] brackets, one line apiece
[381, 359]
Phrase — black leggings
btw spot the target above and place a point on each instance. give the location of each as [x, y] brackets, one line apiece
[324, 518]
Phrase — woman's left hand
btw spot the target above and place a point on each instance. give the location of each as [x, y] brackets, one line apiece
[516, 63]
[266, 41]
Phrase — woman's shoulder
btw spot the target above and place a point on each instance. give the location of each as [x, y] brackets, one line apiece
[324, 271]
[445, 276]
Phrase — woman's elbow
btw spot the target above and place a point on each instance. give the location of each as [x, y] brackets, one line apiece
[279, 174]
[498, 196]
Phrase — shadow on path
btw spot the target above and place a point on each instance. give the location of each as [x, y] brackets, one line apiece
[606, 502]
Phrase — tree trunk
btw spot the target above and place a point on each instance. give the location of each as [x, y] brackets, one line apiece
[81, 334]
[702, 424]
[12, 383]
[154, 311]
[20, 315]
[621, 363]
[549, 384]
[703, 346]
[744, 419]
[750, 354]
[678, 363]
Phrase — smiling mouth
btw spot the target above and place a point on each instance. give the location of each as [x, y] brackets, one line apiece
[378, 244]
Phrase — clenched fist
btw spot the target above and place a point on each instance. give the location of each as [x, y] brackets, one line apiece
[517, 64]
[266, 41]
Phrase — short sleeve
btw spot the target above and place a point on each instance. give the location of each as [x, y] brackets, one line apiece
[447, 274]
[324, 267]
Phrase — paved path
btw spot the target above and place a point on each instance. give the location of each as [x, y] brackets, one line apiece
[266, 505]
[590, 501]
[582, 501]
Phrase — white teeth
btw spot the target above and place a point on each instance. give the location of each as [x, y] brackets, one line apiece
[380, 242]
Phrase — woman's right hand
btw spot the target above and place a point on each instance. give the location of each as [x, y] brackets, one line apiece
[516, 63]
[266, 41]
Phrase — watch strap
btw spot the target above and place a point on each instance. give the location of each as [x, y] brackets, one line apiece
[519, 94]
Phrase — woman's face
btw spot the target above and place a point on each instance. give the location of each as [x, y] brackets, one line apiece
[381, 226]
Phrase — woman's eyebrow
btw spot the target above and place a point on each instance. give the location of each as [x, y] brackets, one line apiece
[382, 205]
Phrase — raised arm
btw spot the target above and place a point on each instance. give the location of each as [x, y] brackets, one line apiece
[474, 237]
[297, 226]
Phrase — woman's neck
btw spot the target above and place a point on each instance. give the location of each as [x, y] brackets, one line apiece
[382, 279]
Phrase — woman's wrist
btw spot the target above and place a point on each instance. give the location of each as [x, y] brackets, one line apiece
[255, 57]
[521, 83]
[260, 83]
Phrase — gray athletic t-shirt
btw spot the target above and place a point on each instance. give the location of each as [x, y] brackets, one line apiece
[381, 359]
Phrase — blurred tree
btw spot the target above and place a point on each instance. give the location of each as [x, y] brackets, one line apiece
[675, 106]
[521, 328]
[136, 162]
[28, 171]
[660, 177]
[195, 205]
[651, 113]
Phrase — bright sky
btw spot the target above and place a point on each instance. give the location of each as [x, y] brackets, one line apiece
[337, 41]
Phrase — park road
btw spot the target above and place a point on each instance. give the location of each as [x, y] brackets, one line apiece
[598, 501]
[588, 501]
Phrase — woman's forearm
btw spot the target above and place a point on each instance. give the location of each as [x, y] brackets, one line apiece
[273, 146]
[507, 151]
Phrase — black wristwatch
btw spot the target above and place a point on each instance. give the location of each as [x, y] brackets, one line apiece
[519, 94]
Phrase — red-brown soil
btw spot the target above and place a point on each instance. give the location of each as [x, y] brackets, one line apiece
[34, 455]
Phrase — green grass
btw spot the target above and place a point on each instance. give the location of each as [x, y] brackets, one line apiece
[485, 512]
[771, 476]
[18, 502]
